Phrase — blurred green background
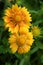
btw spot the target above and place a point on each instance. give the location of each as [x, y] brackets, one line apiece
[35, 56]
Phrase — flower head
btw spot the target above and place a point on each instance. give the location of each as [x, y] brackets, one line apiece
[15, 17]
[21, 43]
[36, 31]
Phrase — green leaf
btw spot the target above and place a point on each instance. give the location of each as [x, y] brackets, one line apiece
[16, 62]
[20, 2]
[19, 56]
[35, 49]
[1, 23]
[5, 41]
[39, 45]
[25, 61]
[7, 63]
[41, 58]
[2, 49]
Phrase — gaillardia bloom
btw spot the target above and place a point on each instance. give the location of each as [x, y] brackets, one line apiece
[36, 31]
[15, 17]
[21, 43]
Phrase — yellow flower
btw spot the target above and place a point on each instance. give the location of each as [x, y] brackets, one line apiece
[21, 43]
[36, 31]
[15, 17]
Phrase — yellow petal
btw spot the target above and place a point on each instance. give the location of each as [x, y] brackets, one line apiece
[13, 47]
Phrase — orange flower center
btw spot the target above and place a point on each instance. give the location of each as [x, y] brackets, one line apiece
[18, 18]
[21, 40]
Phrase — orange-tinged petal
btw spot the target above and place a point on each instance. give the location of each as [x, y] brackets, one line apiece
[6, 19]
[14, 47]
